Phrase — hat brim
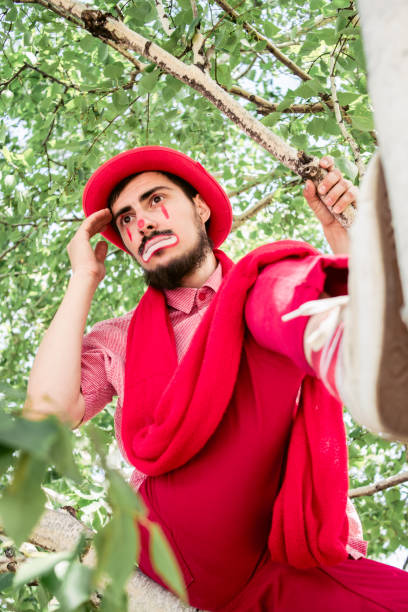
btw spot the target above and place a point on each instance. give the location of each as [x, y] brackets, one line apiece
[155, 158]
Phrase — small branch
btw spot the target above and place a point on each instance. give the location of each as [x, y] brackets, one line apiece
[147, 120]
[339, 118]
[381, 485]
[194, 8]
[269, 45]
[265, 107]
[163, 18]
[251, 182]
[104, 26]
[4, 84]
[238, 220]
[14, 246]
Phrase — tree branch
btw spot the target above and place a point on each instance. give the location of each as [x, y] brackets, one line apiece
[381, 485]
[265, 107]
[251, 182]
[261, 38]
[339, 118]
[163, 18]
[59, 531]
[238, 220]
[104, 26]
[286, 61]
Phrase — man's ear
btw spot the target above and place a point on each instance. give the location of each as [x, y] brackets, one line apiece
[202, 208]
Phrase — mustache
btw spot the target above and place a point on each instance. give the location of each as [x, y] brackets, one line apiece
[152, 235]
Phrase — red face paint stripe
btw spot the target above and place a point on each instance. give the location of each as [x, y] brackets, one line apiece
[164, 211]
[129, 234]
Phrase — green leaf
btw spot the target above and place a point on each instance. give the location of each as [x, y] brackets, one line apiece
[114, 71]
[358, 50]
[6, 459]
[271, 119]
[6, 581]
[149, 80]
[164, 561]
[270, 29]
[116, 547]
[35, 437]
[61, 454]
[347, 97]
[365, 123]
[120, 99]
[123, 497]
[22, 501]
[35, 568]
[224, 75]
[76, 586]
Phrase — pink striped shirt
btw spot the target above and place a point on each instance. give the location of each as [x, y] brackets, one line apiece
[103, 367]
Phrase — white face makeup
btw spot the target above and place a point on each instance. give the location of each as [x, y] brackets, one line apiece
[156, 243]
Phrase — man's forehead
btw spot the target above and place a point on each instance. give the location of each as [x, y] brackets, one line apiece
[140, 186]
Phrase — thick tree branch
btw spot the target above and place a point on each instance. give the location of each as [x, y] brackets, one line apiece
[59, 531]
[104, 26]
[381, 485]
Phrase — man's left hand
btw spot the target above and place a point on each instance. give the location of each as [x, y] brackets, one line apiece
[333, 193]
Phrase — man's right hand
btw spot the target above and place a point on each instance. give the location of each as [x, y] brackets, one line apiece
[81, 254]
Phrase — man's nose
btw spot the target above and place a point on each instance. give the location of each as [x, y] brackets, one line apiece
[145, 224]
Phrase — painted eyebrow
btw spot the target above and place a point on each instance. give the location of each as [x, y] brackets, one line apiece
[142, 198]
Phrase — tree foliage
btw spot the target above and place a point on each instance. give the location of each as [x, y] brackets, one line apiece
[71, 99]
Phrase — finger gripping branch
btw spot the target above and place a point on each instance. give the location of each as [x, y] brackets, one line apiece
[308, 168]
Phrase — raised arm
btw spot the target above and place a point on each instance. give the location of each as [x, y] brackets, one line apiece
[54, 383]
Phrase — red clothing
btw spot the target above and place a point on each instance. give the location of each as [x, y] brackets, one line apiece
[104, 347]
[215, 487]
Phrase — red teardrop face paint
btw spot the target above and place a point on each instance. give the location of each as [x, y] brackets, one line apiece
[140, 223]
[164, 211]
[129, 234]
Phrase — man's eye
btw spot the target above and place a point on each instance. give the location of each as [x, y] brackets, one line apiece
[126, 219]
[157, 199]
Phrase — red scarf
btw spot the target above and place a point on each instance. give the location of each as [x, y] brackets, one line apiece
[171, 410]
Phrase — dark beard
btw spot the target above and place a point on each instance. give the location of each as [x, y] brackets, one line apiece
[170, 276]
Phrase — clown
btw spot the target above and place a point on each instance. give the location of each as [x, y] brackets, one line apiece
[229, 381]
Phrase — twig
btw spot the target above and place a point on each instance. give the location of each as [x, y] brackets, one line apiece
[339, 118]
[286, 61]
[392, 481]
[252, 182]
[106, 27]
[148, 120]
[163, 18]
[238, 220]
[265, 107]
[194, 8]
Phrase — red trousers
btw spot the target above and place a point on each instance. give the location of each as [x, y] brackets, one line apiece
[216, 511]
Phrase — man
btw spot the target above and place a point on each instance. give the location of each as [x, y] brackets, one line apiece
[220, 400]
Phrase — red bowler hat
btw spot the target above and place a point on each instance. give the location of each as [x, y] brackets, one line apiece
[150, 159]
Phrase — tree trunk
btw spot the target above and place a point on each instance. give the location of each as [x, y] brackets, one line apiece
[384, 27]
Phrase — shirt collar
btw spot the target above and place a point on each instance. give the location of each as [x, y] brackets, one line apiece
[183, 298]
